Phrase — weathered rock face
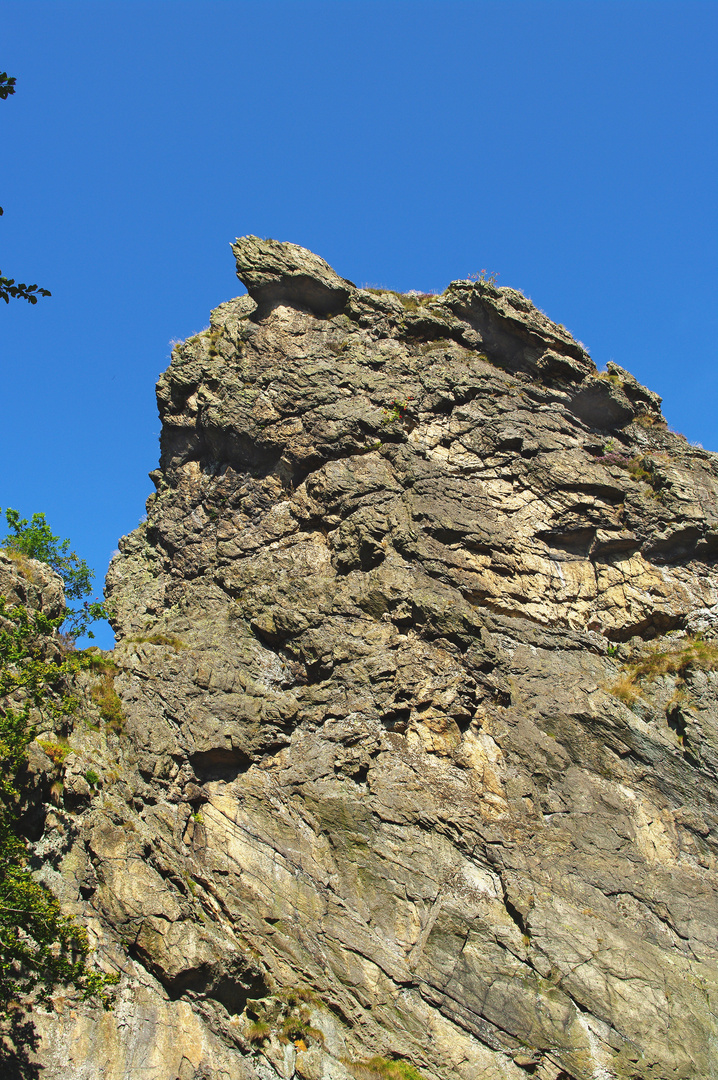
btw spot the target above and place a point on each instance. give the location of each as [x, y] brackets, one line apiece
[417, 660]
[31, 584]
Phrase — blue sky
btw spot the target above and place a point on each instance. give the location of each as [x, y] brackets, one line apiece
[568, 145]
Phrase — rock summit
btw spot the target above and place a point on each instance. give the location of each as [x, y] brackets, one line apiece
[416, 656]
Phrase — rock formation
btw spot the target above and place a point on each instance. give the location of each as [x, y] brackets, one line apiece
[416, 655]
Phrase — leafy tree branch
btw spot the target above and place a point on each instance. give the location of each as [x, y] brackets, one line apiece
[40, 948]
[35, 540]
[8, 286]
[7, 85]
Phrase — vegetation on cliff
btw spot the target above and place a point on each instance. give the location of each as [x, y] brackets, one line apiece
[34, 539]
[40, 949]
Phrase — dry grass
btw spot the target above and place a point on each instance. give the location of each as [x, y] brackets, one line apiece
[606, 377]
[56, 751]
[298, 995]
[379, 1068]
[649, 420]
[259, 1031]
[25, 566]
[105, 696]
[692, 653]
[625, 689]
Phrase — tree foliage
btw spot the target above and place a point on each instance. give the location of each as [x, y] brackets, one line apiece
[40, 948]
[19, 290]
[35, 540]
[8, 286]
[7, 85]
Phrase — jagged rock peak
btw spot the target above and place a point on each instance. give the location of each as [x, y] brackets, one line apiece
[286, 273]
[419, 675]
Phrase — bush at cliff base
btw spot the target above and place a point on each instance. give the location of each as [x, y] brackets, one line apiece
[40, 949]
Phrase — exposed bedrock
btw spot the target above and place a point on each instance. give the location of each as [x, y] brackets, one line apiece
[417, 660]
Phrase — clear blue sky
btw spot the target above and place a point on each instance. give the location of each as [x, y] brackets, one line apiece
[569, 145]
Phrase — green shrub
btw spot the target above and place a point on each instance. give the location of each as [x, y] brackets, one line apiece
[40, 948]
[34, 539]
[96, 661]
[56, 751]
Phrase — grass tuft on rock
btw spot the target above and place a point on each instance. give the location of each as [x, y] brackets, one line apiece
[379, 1068]
[105, 696]
[692, 653]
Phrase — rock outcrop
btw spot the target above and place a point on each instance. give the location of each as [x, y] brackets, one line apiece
[417, 659]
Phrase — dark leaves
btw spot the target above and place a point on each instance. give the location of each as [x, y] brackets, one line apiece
[9, 288]
[7, 84]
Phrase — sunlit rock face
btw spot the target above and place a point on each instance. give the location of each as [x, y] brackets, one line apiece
[417, 654]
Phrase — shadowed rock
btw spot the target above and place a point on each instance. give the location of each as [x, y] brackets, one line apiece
[275, 273]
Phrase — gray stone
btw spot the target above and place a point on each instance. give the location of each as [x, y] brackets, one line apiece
[275, 273]
[402, 772]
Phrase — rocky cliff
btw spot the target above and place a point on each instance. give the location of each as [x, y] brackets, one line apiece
[416, 768]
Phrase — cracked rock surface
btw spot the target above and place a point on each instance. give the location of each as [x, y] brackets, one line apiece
[402, 771]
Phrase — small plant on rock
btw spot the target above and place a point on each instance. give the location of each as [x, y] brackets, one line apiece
[285, 1017]
[397, 411]
[483, 277]
[298, 1028]
[648, 420]
[613, 456]
[379, 1068]
[640, 467]
[105, 696]
[259, 1031]
[692, 652]
[56, 751]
